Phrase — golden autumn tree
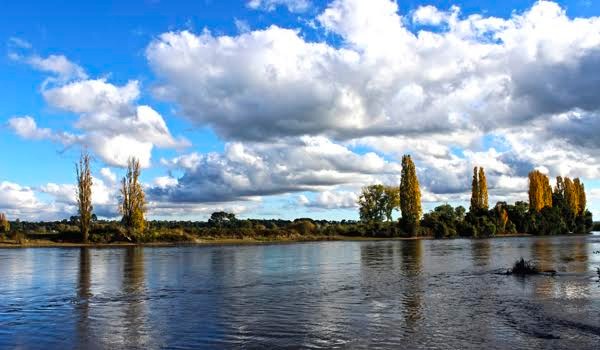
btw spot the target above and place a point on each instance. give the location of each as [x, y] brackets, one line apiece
[4, 224]
[84, 195]
[571, 196]
[133, 206]
[540, 191]
[483, 192]
[479, 191]
[580, 194]
[410, 194]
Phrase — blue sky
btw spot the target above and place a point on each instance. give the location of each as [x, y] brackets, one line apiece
[300, 143]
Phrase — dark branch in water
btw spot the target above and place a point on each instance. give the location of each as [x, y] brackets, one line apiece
[523, 267]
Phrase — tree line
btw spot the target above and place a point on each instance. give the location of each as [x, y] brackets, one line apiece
[551, 210]
[558, 210]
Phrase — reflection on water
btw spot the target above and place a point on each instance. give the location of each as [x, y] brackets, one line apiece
[134, 313]
[412, 264]
[389, 294]
[84, 293]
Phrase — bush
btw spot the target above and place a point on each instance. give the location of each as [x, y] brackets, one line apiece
[303, 227]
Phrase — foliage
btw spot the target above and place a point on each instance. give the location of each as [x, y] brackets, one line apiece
[540, 191]
[479, 192]
[391, 201]
[84, 194]
[133, 206]
[410, 195]
[442, 222]
[371, 203]
[4, 224]
[222, 219]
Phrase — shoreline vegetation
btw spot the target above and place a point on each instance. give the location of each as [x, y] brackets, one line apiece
[209, 241]
[550, 211]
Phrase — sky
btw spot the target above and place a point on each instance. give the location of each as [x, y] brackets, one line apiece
[286, 108]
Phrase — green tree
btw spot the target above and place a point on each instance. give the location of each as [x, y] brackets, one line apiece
[221, 219]
[475, 191]
[391, 201]
[84, 195]
[410, 195]
[371, 203]
[133, 206]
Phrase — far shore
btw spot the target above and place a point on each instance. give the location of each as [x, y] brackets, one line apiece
[40, 243]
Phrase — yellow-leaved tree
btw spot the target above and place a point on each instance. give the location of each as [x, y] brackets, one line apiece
[4, 224]
[540, 191]
[479, 191]
[483, 191]
[133, 206]
[410, 195]
[580, 194]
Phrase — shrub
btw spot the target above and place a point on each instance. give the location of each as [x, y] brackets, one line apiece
[303, 227]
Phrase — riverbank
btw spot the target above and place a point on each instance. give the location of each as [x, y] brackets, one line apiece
[42, 243]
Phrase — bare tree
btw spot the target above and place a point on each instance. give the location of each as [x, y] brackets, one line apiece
[84, 194]
[133, 206]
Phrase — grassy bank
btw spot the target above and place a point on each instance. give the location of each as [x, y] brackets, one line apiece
[201, 241]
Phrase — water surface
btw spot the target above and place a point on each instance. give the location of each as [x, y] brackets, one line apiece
[386, 294]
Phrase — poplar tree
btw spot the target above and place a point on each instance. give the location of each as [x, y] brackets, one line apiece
[479, 192]
[580, 194]
[84, 195]
[483, 192]
[540, 191]
[4, 224]
[133, 206]
[571, 196]
[410, 194]
[475, 191]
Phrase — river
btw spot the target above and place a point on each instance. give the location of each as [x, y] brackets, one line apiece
[434, 294]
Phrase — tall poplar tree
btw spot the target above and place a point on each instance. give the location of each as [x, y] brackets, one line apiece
[475, 191]
[483, 192]
[4, 224]
[540, 191]
[479, 192]
[580, 193]
[84, 195]
[571, 196]
[133, 206]
[410, 194]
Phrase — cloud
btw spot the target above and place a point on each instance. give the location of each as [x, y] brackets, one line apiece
[245, 170]
[19, 43]
[436, 93]
[270, 5]
[111, 124]
[59, 66]
[108, 175]
[431, 15]
[331, 200]
[475, 74]
[27, 128]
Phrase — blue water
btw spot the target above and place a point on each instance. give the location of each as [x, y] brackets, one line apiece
[387, 294]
